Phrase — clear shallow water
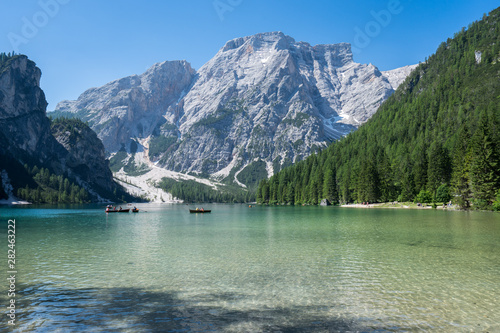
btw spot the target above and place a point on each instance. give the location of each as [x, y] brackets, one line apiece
[289, 269]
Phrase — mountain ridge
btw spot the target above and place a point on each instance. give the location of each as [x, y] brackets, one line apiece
[435, 140]
[263, 97]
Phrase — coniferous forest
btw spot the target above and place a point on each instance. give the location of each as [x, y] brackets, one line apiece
[52, 188]
[435, 139]
[191, 191]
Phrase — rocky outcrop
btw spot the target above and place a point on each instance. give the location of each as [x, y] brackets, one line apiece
[134, 106]
[325, 202]
[260, 98]
[86, 158]
[398, 75]
[268, 97]
[26, 136]
[23, 122]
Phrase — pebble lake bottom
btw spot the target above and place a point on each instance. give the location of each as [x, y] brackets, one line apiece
[260, 269]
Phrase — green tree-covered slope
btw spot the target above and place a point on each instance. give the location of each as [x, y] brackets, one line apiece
[436, 137]
[40, 183]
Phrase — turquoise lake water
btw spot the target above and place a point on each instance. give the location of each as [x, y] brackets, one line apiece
[260, 269]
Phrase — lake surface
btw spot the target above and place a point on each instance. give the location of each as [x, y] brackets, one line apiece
[261, 269]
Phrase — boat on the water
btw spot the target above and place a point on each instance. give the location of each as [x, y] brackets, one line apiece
[199, 210]
[110, 209]
[135, 210]
[117, 210]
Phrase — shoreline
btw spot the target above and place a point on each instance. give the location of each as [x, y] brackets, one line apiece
[390, 205]
[13, 201]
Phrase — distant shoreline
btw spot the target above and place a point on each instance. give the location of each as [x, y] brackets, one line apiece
[13, 201]
[397, 205]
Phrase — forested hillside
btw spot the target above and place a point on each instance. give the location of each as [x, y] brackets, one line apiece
[435, 139]
[192, 191]
[38, 183]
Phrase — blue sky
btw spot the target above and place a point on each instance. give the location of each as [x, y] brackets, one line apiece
[81, 44]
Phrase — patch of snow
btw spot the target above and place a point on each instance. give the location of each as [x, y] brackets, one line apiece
[349, 119]
[332, 126]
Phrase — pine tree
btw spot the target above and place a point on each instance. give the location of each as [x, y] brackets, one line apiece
[484, 170]
[290, 194]
[439, 168]
[329, 186]
[461, 169]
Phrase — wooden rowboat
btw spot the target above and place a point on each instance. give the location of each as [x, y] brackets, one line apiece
[199, 210]
[117, 210]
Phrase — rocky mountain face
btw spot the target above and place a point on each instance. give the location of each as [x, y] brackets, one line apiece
[24, 126]
[26, 136]
[86, 156]
[134, 106]
[262, 98]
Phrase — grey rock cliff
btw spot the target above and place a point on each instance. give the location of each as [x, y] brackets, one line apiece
[22, 110]
[25, 130]
[268, 97]
[86, 158]
[134, 106]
